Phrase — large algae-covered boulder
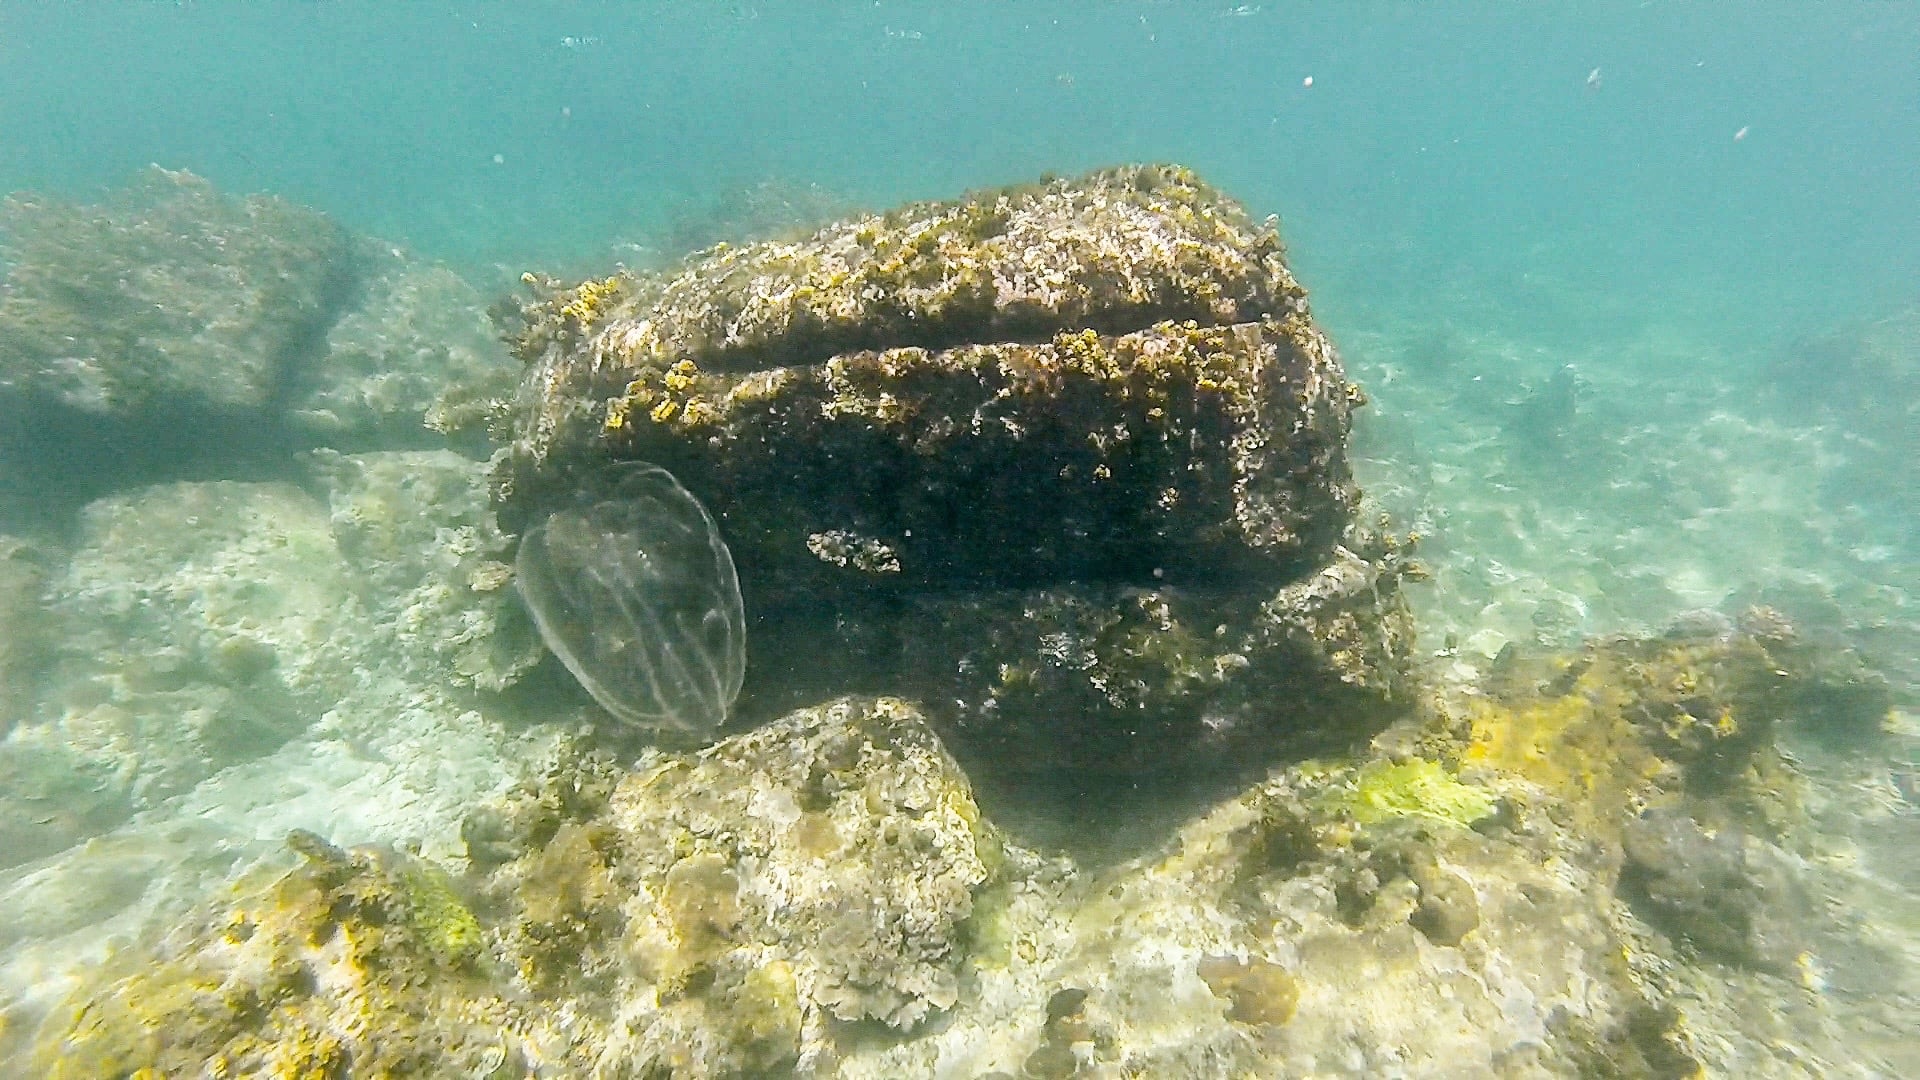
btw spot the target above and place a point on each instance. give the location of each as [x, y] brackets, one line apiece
[1103, 376]
[1066, 461]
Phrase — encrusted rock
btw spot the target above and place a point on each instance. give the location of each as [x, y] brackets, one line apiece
[359, 962]
[1196, 680]
[1109, 374]
[173, 332]
[714, 914]
[1686, 717]
[820, 897]
[853, 842]
[168, 295]
[1727, 894]
[1067, 462]
[149, 335]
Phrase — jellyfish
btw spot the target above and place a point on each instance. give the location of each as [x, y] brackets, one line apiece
[634, 590]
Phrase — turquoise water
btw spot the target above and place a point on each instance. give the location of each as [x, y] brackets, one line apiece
[1434, 141]
[1633, 291]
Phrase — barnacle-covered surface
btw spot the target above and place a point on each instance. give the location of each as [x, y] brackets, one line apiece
[1066, 461]
[856, 849]
[748, 899]
[1156, 697]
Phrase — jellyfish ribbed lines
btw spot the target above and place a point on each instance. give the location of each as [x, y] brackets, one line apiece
[634, 590]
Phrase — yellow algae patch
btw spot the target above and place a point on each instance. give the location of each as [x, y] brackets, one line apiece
[447, 928]
[590, 298]
[1423, 789]
[1578, 745]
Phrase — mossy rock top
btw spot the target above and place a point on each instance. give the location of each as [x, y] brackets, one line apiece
[1077, 380]
[1113, 251]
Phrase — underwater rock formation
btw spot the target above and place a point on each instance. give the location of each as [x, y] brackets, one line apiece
[144, 336]
[713, 914]
[172, 332]
[361, 962]
[414, 352]
[1067, 462]
[23, 629]
[1583, 865]
[821, 896]
[1688, 718]
[198, 626]
[169, 295]
[1723, 893]
[1468, 899]
[430, 564]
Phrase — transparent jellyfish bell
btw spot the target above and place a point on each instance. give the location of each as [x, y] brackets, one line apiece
[634, 590]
